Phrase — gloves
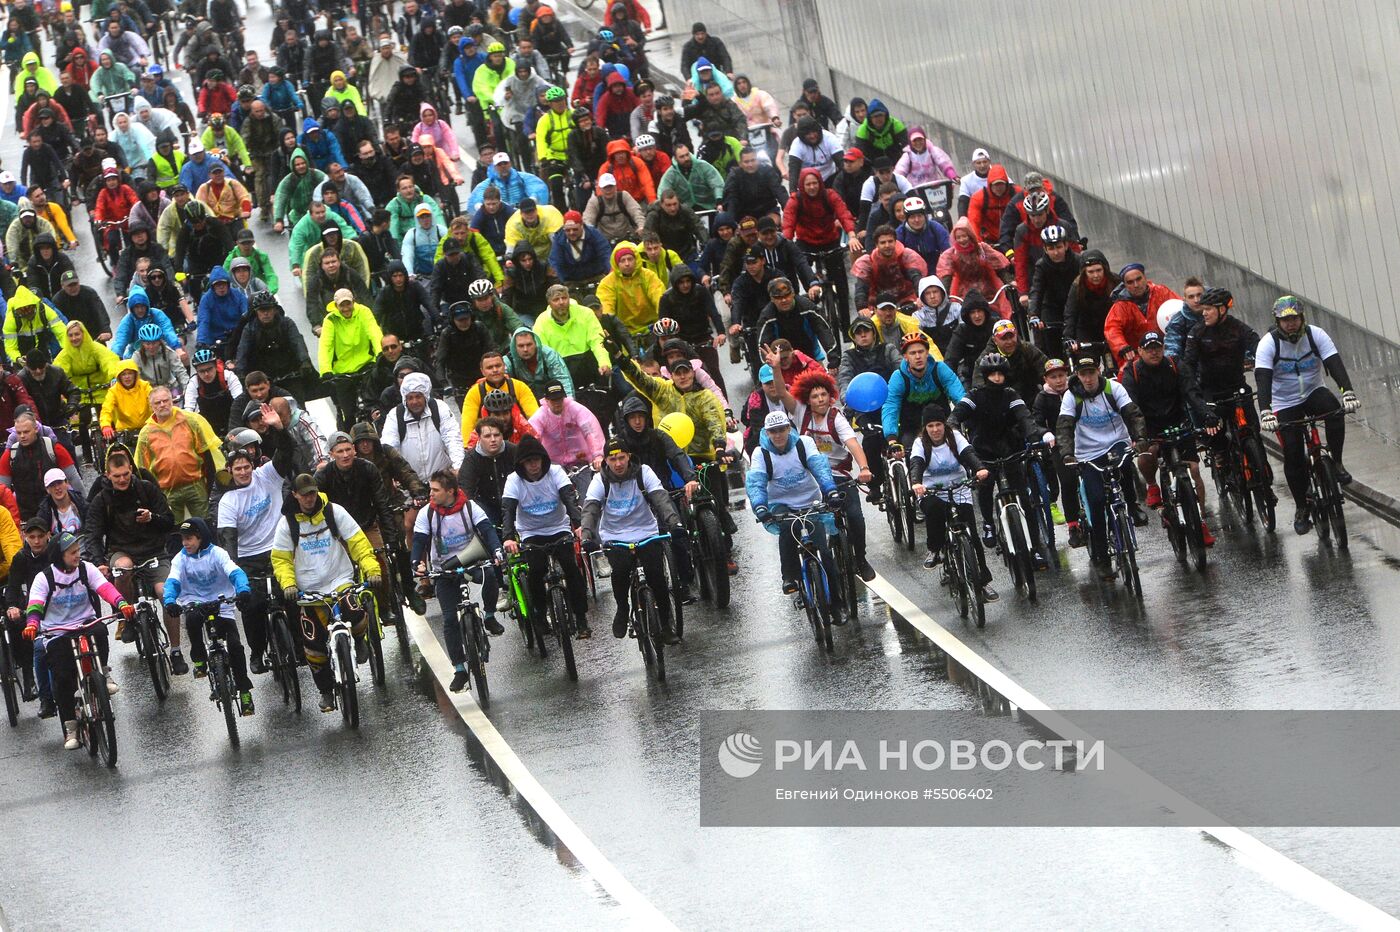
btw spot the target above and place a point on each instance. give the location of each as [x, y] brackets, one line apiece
[128, 610]
[31, 631]
[374, 581]
[1048, 438]
[1035, 323]
[290, 594]
[108, 433]
[1350, 403]
[834, 499]
[1268, 421]
[174, 609]
[244, 600]
[762, 515]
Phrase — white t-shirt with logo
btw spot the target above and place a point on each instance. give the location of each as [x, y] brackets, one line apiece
[1098, 426]
[627, 516]
[540, 513]
[254, 510]
[448, 534]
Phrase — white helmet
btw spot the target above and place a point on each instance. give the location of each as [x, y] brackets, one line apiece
[915, 205]
[645, 141]
[480, 288]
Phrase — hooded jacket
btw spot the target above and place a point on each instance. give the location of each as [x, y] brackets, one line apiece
[920, 168]
[572, 437]
[127, 408]
[651, 447]
[939, 322]
[182, 450]
[791, 484]
[429, 441]
[90, 365]
[704, 409]
[876, 275]
[45, 327]
[631, 172]
[164, 368]
[294, 191]
[443, 137]
[261, 265]
[889, 141]
[307, 234]
[549, 365]
[322, 149]
[218, 316]
[276, 348]
[348, 344]
[311, 564]
[1087, 307]
[816, 222]
[695, 310]
[1129, 318]
[633, 298]
[977, 266]
[554, 483]
[614, 110]
[1050, 287]
[985, 208]
[969, 338]
[204, 575]
[701, 188]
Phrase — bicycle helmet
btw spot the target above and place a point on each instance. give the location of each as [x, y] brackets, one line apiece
[665, 327]
[1217, 297]
[993, 362]
[1037, 202]
[644, 141]
[523, 64]
[245, 437]
[1286, 306]
[149, 333]
[1052, 234]
[497, 401]
[606, 35]
[455, 31]
[246, 92]
[202, 356]
[911, 338]
[262, 299]
[554, 93]
[494, 48]
[580, 112]
[914, 205]
[481, 288]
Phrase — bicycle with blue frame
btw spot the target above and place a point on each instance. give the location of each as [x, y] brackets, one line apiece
[1122, 536]
[815, 586]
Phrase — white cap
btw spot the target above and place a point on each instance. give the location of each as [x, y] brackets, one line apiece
[108, 163]
[54, 475]
[500, 157]
[776, 420]
[195, 146]
[981, 154]
[605, 180]
[9, 177]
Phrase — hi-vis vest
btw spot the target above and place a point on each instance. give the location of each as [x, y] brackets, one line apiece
[168, 174]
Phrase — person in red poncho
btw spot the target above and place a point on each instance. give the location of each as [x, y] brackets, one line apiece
[114, 202]
[814, 218]
[986, 207]
[970, 263]
[631, 173]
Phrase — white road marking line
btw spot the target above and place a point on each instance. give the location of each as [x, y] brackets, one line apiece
[639, 908]
[1277, 868]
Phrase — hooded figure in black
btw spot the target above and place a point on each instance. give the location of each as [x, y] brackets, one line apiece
[1086, 309]
[47, 266]
[969, 339]
[457, 359]
[403, 307]
[527, 282]
[1051, 282]
[275, 346]
[649, 446]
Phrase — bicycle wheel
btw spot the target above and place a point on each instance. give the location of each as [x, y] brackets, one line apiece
[809, 597]
[285, 659]
[559, 612]
[9, 681]
[100, 243]
[846, 564]
[972, 581]
[157, 660]
[222, 678]
[1264, 504]
[476, 667]
[374, 634]
[716, 556]
[1172, 517]
[1332, 502]
[650, 637]
[677, 609]
[909, 507]
[1127, 553]
[1020, 554]
[349, 697]
[1193, 533]
[955, 574]
[102, 726]
[821, 587]
[893, 514]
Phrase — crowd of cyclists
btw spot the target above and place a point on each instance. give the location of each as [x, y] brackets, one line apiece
[519, 323]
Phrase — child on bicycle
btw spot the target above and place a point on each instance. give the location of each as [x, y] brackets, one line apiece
[941, 456]
[202, 572]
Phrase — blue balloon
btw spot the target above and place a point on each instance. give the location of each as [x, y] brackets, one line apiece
[625, 72]
[867, 392]
[514, 17]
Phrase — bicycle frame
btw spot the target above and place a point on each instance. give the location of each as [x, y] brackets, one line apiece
[1123, 536]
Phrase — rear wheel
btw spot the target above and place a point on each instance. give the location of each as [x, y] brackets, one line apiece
[1332, 503]
[222, 677]
[1194, 534]
[715, 552]
[893, 513]
[285, 657]
[102, 727]
[9, 681]
[349, 696]
[560, 612]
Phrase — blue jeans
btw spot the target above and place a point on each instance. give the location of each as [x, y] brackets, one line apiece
[449, 596]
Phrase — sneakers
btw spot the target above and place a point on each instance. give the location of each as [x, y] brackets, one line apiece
[416, 603]
[620, 623]
[989, 594]
[503, 601]
[668, 634]
[1076, 535]
[177, 663]
[1207, 536]
[864, 570]
[327, 701]
[1056, 515]
[460, 679]
[602, 569]
[876, 496]
[685, 595]
[989, 536]
[112, 687]
[789, 586]
[1039, 560]
[1154, 496]
[492, 626]
[581, 630]
[1302, 521]
[1343, 477]
[70, 736]
[361, 650]
[200, 670]
[1139, 513]
[257, 664]
[932, 559]
[47, 708]
[731, 567]
[245, 703]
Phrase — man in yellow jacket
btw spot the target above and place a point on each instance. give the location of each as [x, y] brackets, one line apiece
[29, 323]
[629, 291]
[181, 450]
[493, 375]
[128, 402]
[350, 338]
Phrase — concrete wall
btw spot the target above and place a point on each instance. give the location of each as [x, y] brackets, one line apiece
[1254, 144]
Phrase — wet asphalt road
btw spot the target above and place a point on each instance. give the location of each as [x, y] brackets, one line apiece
[403, 825]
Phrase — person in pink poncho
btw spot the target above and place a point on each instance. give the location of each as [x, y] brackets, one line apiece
[923, 162]
[442, 134]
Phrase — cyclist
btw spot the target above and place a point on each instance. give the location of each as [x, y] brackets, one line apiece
[1134, 311]
[201, 572]
[1052, 279]
[1182, 322]
[271, 342]
[182, 452]
[890, 267]
[317, 548]
[28, 459]
[1087, 306]
[522, 403]
[442, 531]
[158, 364]
[790, 475]
[921, 233]
[1218, 351]
[919, 381]
[795, 318]
[939, 457]
[350, 337]
[626, 503]
[423, 428]
[247, 519]
[63, 600]
[1097, 419]
[487, 465]
[1001, 424]
[1025, 363]
[684, 393]
[539, 508]
[569, 431]
[1290, 366]
[630, 292]
[357, 486]
[215, 392]
[127, 406]
[25, 564]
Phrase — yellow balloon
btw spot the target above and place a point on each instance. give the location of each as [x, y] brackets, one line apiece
[679, 427]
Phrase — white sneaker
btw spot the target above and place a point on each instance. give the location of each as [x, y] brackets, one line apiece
[70, 736]
[502, 601]
[112, 687]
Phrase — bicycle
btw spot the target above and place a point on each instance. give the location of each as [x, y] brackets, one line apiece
[962, 571]
[1181, 510]
[711, 550]
[1324, 491]
[844, 553]
[898, 498]
[281, 647]
[475, 643]
[10, 676]
[222, 689]
[340, 646]
[97, 726]
[1039, 500]
[152, 641]
[1122, 536]
[814, 588]
[1014, 537]
[644, 616]
[1241, 472]
[88, 411]
[109, 246]
[556, 617]
[830, 301]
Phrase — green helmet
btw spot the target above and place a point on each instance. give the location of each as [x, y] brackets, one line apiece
[554, 93]
[1287, 306]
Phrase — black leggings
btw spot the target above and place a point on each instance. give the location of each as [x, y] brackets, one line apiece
[561, 548]
[228, 630]
[61, 654]
[936, 512]
[1295, 448]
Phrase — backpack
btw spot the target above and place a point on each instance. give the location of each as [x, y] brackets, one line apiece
[801, 456]
[82, 578]
[1107, 393]
[432, 406]
[294, 526]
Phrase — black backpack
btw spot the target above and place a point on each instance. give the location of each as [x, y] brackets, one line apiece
[403, 422]
[294, 526]
[82, 578]
[801, 455]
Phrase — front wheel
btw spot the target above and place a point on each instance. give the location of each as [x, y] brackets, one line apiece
[374, 634]
[649, 635]
[1191, 520]
[559, 609]
[349, 697]
[972, 580]
[102, 726]
[1331, 510]
[1020, 556]
[285, 659]
[9, 681]
[476, 664]
[908, 505]
[846, 564]
[157, 660]
[893, 513]
[222, 678]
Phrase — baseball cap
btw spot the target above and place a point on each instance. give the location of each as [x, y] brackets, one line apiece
[573, 216]
[1002, 326]
[853, 154]
[337, 438]
[54, 475]
[981, 154]
[36, 523]
[422, 209]
[1151, 338]
[305, 483]
[555, 390]
[7, 177]
[767, 223]
[500, 157]
[195, 146]
[614, 445]
[748, 223]
[451, 245]
[607, 180]
[245, 235]
[1056, 365]
[527, 203]
[753, 255]
[68, 276]
[765, 374]
[776, 420]
[344, 294]
[188, 526]
[883, 162]
[1086, 362]
[679, 364]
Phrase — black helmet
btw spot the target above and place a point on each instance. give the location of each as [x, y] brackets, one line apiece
[1217, 297]
[262, 299]
[993, 362]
